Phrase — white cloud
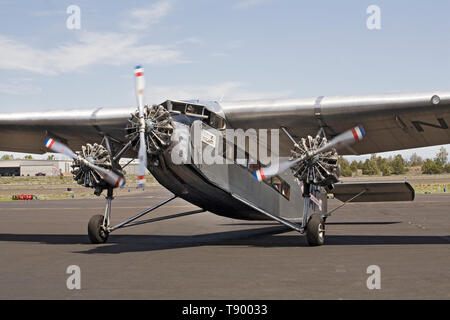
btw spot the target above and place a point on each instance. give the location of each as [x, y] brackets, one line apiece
[249, 3]
[20, 86]
[94, 48]
[233, 44]
[220, 54]
[226, 91]
[143, 18]
[90, 48]
[191, 41]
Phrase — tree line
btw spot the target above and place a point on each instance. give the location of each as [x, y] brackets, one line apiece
[396, 165]
[27, 157]
[372, 166]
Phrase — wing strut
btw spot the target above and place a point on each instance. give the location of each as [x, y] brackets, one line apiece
[345, 202]
[287, 223]
[99, 226]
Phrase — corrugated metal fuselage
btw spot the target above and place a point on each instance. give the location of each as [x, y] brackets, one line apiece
[211, 187]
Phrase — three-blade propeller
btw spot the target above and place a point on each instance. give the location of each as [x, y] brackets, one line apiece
[142, 155]
[108, 176]
[348, 137]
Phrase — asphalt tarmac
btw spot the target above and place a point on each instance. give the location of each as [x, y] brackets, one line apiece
[204, 256]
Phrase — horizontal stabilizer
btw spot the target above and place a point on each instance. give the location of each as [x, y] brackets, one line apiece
[373, 191]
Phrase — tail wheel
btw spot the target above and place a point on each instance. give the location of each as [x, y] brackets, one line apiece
[315, 230]
[96, 230]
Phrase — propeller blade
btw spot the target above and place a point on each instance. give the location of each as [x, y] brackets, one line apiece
[109, 176]
[266, 173]
[58, 147]
[348, 137]
[142, 155]
[140, 84]
[142, 159]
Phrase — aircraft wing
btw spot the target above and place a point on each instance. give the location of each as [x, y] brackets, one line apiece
[391, 122]
[27, 131]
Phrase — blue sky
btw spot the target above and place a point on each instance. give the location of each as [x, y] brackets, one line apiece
[238, 49]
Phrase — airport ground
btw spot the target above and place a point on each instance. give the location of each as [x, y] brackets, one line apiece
[204, 256]
[51, 188]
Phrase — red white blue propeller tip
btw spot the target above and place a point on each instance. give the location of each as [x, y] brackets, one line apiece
[259, 175]
[139, 71]
[141, 180]
[358, 133]
[49, 142]
[120, 182]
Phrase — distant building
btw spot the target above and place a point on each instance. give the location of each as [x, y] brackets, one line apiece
[23, 167]
[132, 167]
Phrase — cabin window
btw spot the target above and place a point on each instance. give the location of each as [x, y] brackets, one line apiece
[286, 190]
[277, 183]
[280, 185]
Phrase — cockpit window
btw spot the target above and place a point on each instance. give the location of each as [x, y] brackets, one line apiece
[197, 111]
[216, 122]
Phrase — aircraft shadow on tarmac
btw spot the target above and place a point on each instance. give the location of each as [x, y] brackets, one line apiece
[328, 223]
[261, 237]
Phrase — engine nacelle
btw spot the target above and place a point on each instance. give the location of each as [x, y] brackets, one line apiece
[158, 129]
[106, 175]
[321, 169]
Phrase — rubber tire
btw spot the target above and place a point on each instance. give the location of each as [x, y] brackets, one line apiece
[95, 232]
[312, 231]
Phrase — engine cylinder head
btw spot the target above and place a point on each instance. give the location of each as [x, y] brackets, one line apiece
[84, 175]
[321, 169]
[158, 128]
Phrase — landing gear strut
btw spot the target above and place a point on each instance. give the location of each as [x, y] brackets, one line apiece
[99, 226]
[96, 230]
[315, 230]
[313, 225]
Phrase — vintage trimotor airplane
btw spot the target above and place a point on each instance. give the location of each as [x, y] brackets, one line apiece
[313, 131]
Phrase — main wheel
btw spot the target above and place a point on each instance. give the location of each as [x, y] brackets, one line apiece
[315, 230]
[96, 230]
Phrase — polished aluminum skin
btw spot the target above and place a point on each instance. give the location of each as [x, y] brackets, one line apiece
[391, 122]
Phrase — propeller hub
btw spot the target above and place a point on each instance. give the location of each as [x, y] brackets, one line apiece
[83, 174]
[157, 125]
[150, 125]
[317, 168]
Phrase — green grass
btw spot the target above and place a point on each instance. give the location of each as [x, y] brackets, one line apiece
[51, 196]
[22, 183]
[42, 187]
[58, 180]
[36, 180]
[431, 188]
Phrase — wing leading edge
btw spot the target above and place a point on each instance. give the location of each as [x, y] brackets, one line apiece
[392, 122]
[26, 132]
